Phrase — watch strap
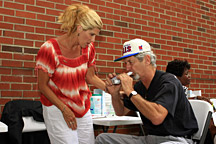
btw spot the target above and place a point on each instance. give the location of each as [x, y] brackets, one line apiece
[130, 96]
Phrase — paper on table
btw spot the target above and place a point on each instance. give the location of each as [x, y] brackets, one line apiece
[194, 93]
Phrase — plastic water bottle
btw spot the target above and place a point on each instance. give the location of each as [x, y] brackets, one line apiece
[96, 105]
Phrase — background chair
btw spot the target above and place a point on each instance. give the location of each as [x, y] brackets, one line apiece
[203, 113]
[23, 131]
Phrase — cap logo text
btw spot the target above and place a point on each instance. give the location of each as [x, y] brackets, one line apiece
[126, 49]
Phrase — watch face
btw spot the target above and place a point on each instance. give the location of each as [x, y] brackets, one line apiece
[134, 93]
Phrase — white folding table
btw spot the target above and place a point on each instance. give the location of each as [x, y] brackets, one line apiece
[116, 121]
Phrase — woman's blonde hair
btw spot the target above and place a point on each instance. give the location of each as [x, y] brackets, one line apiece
[77, 14]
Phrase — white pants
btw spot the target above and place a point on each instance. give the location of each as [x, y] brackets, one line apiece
[60, 133]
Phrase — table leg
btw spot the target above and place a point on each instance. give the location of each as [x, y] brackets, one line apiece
[105, 129]
[114, 130]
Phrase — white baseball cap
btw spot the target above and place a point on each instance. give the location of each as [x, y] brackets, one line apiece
[134, 47]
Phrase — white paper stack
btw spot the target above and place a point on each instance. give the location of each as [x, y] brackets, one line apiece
[194, 93]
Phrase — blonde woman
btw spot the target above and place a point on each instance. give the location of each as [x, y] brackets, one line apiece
[65, 64]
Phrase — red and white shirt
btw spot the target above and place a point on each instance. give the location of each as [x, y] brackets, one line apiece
[67, 75]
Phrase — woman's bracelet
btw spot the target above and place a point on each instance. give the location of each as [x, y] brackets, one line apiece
[63, 109]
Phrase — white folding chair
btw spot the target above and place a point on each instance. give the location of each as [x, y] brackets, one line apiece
[203, 113]
[142, 132]
[3, 127]
[31, 125]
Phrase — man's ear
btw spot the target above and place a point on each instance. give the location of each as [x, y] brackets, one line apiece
[148, 59]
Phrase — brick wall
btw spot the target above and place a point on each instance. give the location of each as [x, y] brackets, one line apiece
[183, 29]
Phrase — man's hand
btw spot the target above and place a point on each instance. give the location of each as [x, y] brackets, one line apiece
[127, 83]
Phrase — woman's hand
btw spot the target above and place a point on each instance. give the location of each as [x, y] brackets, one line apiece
[112, 88]
[69, 118]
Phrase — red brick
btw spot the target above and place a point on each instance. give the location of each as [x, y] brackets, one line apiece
[31, 94]
[142, 33]
[112, 16]
[7, 11]
[45, 31]
[134, 15]
[108, 21]
[20, 86]
[120, 1]
[29, 64]
[120, 35]
[147, 7]
[134, 5]
[35, 22]
[127, 8]
[11, 94]
[141, 11]
[45, 4]
[4, 86]
[29, 79]
[46, 17]
[127, 19]
[11, 63]
[35, 9]
[113, 40]
[114, 52]
[11, 79]
[147, 28]
[105, 57]
[113, 5]
[6, 26]
[5, 55]
[53, 12]
[25, 14]
[35, 36]
[57, 1]
[14, 34]
[13, 19]
[22, 72]
[101, 63]
[26, 2]
[106, 9]
[24, 28]
[13, 5]
[23, 42]
[144, 17]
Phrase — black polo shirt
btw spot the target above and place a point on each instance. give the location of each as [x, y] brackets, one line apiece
[165, 89]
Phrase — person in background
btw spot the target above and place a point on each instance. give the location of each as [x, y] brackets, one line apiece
[181, 69]
[166, 113]
[65, 64]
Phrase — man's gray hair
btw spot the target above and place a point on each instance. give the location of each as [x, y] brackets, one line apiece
[141, 56]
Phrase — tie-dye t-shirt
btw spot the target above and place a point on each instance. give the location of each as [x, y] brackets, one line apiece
[67, 75]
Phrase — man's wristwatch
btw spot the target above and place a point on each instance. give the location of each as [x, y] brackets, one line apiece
[132, 94]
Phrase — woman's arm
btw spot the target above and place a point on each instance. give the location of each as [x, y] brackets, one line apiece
[93, 79]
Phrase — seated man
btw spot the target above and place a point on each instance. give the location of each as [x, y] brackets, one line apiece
[159, 97]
